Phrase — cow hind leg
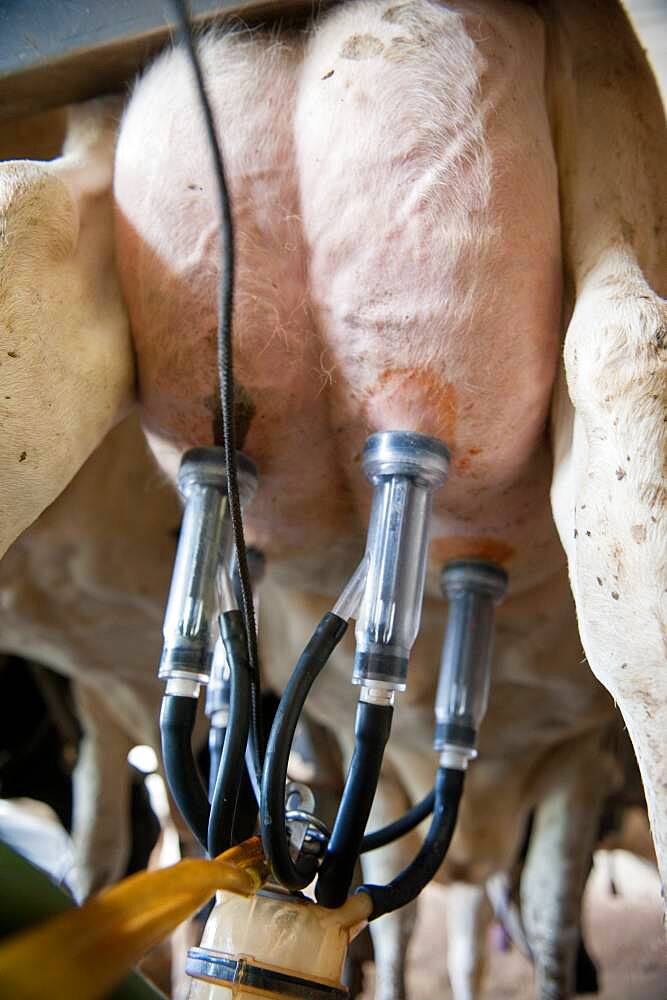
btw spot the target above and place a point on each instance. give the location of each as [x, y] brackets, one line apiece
[558, 862]
[617, 545]
[101, 795]
[608, 429]
[467, 914]
[391, 933]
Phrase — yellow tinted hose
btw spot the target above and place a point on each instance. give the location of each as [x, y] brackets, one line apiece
[82, 953]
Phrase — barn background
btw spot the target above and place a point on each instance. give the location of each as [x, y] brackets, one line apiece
[624, 931]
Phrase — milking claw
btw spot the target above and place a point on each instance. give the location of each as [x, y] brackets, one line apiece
[204, 638]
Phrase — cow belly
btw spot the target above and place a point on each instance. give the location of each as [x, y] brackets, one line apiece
[398, 267]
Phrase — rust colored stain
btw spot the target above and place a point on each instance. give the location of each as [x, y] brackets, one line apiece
[462, 463]
[416, 399]
[470, 547]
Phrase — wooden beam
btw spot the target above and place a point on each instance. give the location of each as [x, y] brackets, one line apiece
[54, 52]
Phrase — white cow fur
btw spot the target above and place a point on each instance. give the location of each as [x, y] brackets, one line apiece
[65, 364]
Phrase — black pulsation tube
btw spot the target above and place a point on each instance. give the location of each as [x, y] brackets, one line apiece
[393, 831]
[273, 825]
[231, 768]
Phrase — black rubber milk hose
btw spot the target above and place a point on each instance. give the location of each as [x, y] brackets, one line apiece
[392, 831]
[371, 731]
[177, 719]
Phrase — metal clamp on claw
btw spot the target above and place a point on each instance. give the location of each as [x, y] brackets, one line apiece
[307, 834]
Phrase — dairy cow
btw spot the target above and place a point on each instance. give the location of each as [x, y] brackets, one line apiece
[409, 255]
[426, 197]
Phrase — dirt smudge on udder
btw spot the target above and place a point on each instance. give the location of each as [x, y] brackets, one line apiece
[396, 14]
[361, 47]
[244, 412]
[638, 532]
[470, 547]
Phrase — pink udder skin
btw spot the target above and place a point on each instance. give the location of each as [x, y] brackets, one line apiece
[394, 194]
